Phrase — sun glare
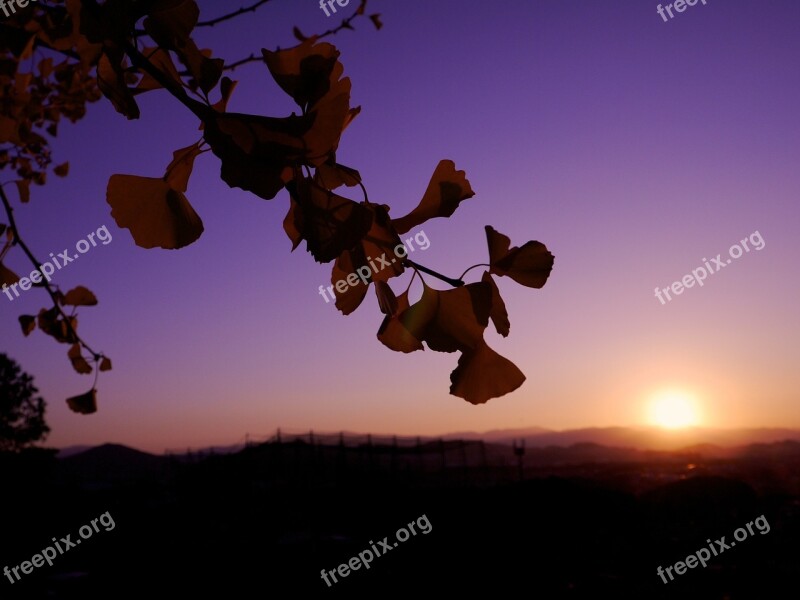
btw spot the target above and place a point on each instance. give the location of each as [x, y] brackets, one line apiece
[674, 410]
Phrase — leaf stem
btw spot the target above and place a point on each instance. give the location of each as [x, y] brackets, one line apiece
[454, 282]
[474, 267]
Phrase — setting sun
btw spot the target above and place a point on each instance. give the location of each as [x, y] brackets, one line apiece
[673, 410]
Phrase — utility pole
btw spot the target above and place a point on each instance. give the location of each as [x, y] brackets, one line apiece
[519, 451]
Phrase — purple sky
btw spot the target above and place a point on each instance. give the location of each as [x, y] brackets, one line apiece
[631, 147]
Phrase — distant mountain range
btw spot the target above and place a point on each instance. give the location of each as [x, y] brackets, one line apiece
[705, 441]
[643, 438]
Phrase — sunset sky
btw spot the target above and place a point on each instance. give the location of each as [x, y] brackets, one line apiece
[632, 147]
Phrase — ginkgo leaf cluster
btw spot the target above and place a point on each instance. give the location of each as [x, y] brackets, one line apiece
[132, 48]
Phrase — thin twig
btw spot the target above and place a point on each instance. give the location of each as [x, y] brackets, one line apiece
[345, 24]
[44, 283]
[244, 61]
[241, 11]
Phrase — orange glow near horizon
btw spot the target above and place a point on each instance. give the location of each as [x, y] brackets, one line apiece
[674, 409]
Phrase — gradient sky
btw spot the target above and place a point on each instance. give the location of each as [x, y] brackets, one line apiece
[631, 147]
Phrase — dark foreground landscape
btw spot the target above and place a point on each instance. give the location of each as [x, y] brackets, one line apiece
[584, 521]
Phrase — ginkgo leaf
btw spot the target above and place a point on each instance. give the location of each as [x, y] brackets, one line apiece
[23, 189]
[529, 265]
[293, 224]
[28, 50]
[261, 154]
[461, 316]
[331, 114]
[376, 20]
[379, 244]
[312, 75]
[107, 23]
[180, 169]
[105, 364]
[51, 323]
[84, 404]
[87, 51]
[162, 61]
[412, 323]
[482, 374]
[498, 313]
[450, 321]
[373, 257]
[78, 362]
[45, 67]
[331, 175]
[79, 296]
[156, 214]
[111, 81]
[62, 170]
[205, 70]
[396, 330]
[7, 276]
[354, 289]
[351, 115]
[9, 130]
[170, 22]
[28, 324]
[331, 224]
[387, 301]
[446, 189]
[304, 71]
[258, 154]
[226, 88]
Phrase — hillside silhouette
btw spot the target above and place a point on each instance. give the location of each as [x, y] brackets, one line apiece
[585, 521]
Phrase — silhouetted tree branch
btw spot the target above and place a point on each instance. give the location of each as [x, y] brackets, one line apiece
[54, 295]
[234, 14]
